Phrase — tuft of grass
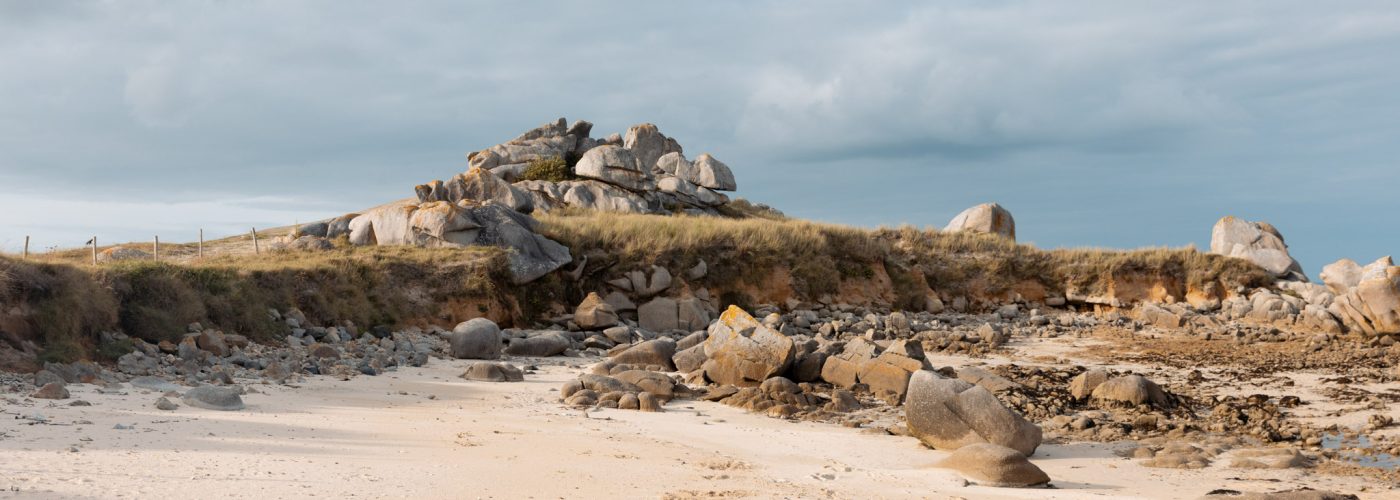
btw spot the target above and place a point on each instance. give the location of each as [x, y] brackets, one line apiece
[553, 169]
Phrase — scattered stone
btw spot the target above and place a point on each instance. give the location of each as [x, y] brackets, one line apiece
[214, 398]
[51, 390]
[166, 404]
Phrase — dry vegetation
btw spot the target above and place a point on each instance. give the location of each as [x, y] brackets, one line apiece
[66, 301]
[65, 306]
[954, 263]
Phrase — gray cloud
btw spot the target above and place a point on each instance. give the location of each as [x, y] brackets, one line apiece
[1098, 123]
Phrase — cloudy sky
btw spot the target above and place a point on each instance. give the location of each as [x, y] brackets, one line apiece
[1118, 124]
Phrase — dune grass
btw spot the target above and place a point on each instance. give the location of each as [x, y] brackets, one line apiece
[820, 256]
[68, 305]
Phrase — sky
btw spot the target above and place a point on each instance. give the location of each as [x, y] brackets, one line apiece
[1105, 124]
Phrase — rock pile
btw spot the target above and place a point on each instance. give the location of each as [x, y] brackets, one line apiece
[1368, 298]
[642, 171]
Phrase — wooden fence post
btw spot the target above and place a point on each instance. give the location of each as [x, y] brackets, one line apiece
[201, 243]
[255, 242]
[26, 248]
[94, 250]
[155, 252]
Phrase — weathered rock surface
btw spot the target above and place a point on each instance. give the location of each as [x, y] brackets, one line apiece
[742, 352]
[617, 166]
[1131, 390]
[478, 338]
[992, 465]
[214, 398]
[543, 345]
[488, 371]
[1372, 306]
[949, 414]
[594, 313]
[988, 218]
[1257, 242]
[461, 224]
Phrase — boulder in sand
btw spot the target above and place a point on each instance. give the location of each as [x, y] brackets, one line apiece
[478, 338]
[493, 371]
[51, 390]
[214, 398]
[948, 414]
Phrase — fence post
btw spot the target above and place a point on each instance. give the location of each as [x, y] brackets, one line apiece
[155, 252]
[201, 243]
[255, 242]
[26, 247]
[94, 250]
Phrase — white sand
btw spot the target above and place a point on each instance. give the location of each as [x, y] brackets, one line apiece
[363, 439]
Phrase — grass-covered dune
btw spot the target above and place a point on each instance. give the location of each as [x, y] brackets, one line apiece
[820, 258]
[61, 302]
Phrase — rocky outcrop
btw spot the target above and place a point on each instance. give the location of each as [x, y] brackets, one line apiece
[1257, 242]
[1371, 306]
[641, 172]
[949, 414]
[461, 224]
[988, 218]
[477, 185]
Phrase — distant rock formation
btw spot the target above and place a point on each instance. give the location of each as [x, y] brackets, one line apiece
[642, 171]
[988, 218]
[1257, 242]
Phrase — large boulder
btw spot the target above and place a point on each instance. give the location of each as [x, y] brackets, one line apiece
[617, 166]
[1372, 307]
[477, 185]
[551, 140]
[478, 338]
[493, 371]
[656, 352]
[1341, 276]
[661, 314]
[594, 313]
[542, 345]
[1131, 390]
[1257, 242]
[948, 414]
[988, 218]
[711, 173]
[648, 144]
[743, 352]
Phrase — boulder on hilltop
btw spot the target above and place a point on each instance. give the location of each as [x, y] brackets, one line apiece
[1257, 242]
[988, 218]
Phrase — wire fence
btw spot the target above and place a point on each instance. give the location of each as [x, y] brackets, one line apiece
[96, 252]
